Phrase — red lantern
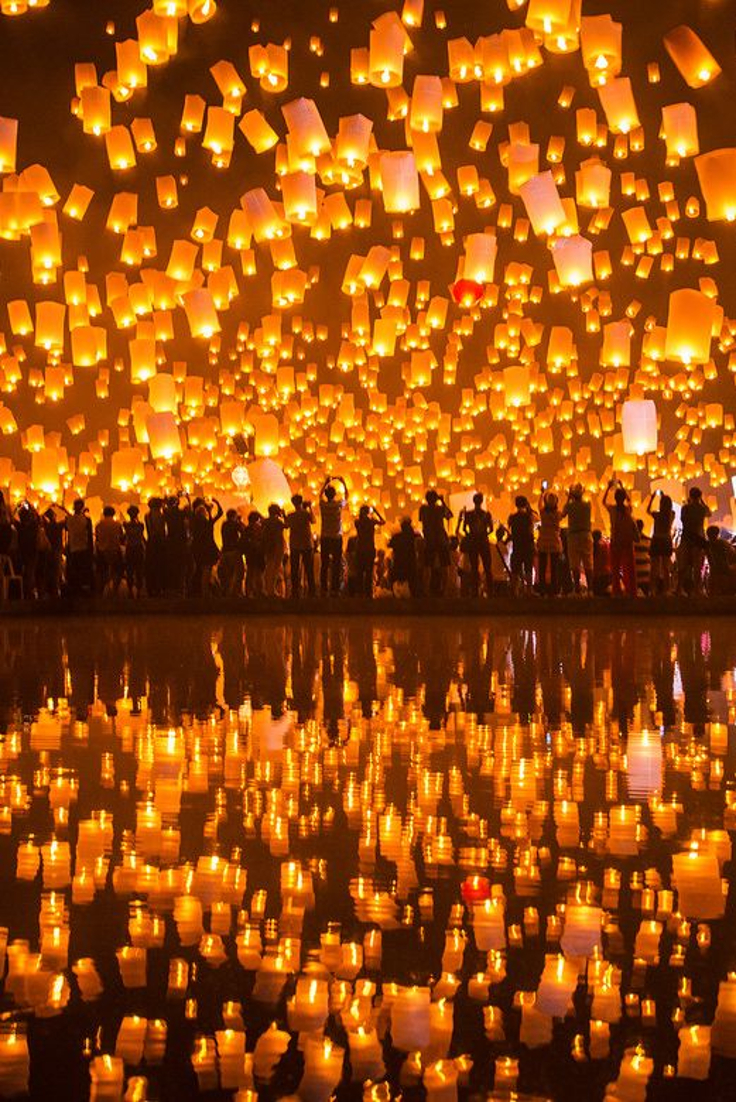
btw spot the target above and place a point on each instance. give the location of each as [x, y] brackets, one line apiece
[466, 292]
[475, 889]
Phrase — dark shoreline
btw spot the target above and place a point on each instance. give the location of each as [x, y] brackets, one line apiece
[596, 608]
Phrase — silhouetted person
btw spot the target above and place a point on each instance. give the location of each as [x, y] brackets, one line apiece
[624, 534]
[204, 548]
[365, 547]
[549, 545]
[301, 550]
[231, 568]
[693, 516]
[157, 548]
[177, 545]
[330, 544]
[404, 558]
[477, 525]
[109, 550]
[274, 549]
[661, 547]
[255, 561]
[579, 538]
[721, 557]
[79, 545]
[432, 516]
[134, 536]
[521, 527]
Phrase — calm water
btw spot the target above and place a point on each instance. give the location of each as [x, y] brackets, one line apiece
[210, 816]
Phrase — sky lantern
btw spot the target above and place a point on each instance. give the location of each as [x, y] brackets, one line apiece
[600, 40]
[573, 260]
[399, 182]
[542, 202]
[693, 59]
[386, 54]
[717, 177]
[690, 322]
[163, 436]
[617, 100]
[639, 426]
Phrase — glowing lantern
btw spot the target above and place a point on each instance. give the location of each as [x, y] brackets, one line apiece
[120, 151]
[426, 105]
[201, 313]
[717, 177]
[600, 40]
[694, 60]
[542, 202]
[299, 192]
[523, 164]
[480, 257]
[690, 322]
[639, 427]
[466, 292]
[680, 130]
[516, 385]
[200, 11]
[306, 127]
[162, 393]
[258, 131]
[617, 100]
[593, 184]
[8, 144]
[573, 257]
[399, 182]
[163, 436]
[268, 484]
[386, 54]
[45, 471]
[126, 468]
[219, 131]
[266, 435]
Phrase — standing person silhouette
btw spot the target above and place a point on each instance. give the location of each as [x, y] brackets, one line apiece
[624, 534]
[432, 516]
[330, 544]
[365, 550]
[521, 527]
[477, 525]
[579, 538]
[661, 547]
[301, 550]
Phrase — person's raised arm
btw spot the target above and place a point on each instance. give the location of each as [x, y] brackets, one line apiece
[325, 484]
[608, 490]
[381, 520]
[651, 502]
[219, 511]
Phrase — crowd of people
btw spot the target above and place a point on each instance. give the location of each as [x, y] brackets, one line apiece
[192, 547]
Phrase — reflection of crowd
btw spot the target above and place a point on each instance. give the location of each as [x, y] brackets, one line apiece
[325, 671]
[191, 547]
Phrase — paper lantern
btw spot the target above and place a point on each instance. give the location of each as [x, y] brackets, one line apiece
[45, 471]
[306, 127]
[617, 100]
[593, 184]
[200, 11]
[573, 257]
[126, 469]
[386, 55]
[466, 292]
[639, 427]
[600, 40]
[426, 105]
[680, 130]
[201, 313]
[480, 257]
[690, 323]
[8, 144]
[694, 60]
[163, 436]
[268, 485]
[258, 131]
[517, 385]
[399, 182]
[299, 193]
[162, 396]
[717, 176]
[542, 202]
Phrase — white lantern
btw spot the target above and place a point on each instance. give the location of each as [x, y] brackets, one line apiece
[639, 426]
